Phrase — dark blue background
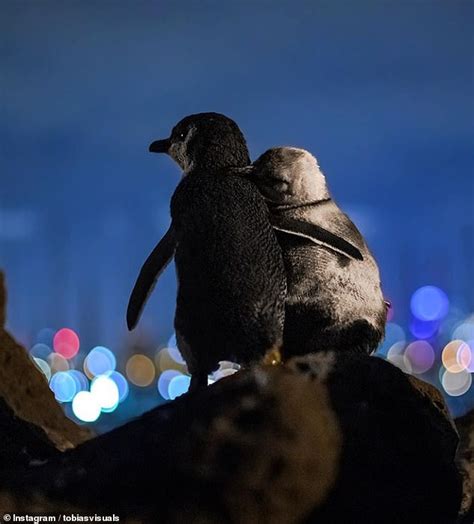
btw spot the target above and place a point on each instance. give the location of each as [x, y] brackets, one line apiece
[380, 92]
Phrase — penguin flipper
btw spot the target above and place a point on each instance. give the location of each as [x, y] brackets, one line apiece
[316, 234]
[149, 274]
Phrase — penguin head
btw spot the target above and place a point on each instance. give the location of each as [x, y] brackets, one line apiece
[288, 175]
[205, 141]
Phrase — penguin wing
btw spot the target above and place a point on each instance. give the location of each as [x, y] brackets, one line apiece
[150, 272]
[316, 234]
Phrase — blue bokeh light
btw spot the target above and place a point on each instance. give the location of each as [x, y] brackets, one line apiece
[63, 386]
[106, 392]
[424, 329]
[121, 383]
[173, 350]
[45, 336]
[164, 381]
[40, 350]
[393, 334]
[82, 384]
[178, 386]
[100, 360]
[429, 303]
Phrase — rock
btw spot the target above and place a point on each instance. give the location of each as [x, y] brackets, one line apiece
[398, 456]
[259, 446]
[3, 301]
[21, 443]
[24, 389]
[465, 461]
[327, 438]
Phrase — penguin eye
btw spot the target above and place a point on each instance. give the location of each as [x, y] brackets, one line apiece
[181, 136]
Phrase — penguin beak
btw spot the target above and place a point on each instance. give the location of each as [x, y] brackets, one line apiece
[160, 146]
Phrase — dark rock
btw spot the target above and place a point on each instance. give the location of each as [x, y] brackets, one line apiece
[265, 446]
[465, 461]
[21, 443]
[260, 446]
[398, 456]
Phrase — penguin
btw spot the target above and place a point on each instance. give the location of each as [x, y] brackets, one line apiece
[231, 278]
[334, 297]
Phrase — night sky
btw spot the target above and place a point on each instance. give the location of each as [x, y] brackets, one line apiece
[380, 92]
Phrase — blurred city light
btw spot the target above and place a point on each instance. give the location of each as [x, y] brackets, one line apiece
[86, 407]
[140, 370]
[66, 343]
[99, 361]
[394, 333]
[423, 329]
[57, 362]
[174, 351]
[165, 360]
[106, 392]
[82, 384]
[456, 356]
[43, 367]
[178, 386]
[40, 350]
[121, 383]
[63, 386]
[429, 303]
[421, 356]
[45, 336]
[456, 384]
[164, 381]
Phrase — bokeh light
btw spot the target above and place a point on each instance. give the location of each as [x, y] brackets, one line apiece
[456, 356]
[164, 360]
[57, 362]
[456, 384]
[66, 343]
[174, 351]
[101, 389]
[401, 362]
[99, 361]
[140, 370]
[63, 386]
[106, 392]
[82, 384]
[424, 329]
[470, 368]
[40, 350]
[178, 386]
[121, 383]
[464, 331]
[45, 336]
[421, 356]
[43, 367]
[164, 381]
[86, 407]
[393, 333]
[429, 303]
[396, 356]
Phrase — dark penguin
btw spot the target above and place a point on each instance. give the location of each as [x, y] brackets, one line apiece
[334, 297]
[231, 277]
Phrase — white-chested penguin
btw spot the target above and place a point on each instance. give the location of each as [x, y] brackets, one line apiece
[334, 298]
[230, 270]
